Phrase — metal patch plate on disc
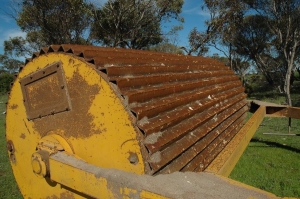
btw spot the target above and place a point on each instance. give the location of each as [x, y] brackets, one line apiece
[45, 92]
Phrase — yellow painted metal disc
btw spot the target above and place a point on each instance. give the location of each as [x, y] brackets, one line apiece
[92, 120]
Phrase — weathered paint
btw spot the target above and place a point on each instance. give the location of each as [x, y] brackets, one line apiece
[236, 183]
[92, 181]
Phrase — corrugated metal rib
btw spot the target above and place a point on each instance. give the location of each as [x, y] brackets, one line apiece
[194, 154]
[136, 82]
[187, 108]
[152, 92]
[148, 69]
[186, 130]
[150, 109]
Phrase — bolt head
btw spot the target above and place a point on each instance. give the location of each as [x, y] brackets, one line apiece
[38, 165]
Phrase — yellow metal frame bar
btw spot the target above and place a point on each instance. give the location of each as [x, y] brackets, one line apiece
[95, 182]
[292, 112]
[276, 110]
[88, 180]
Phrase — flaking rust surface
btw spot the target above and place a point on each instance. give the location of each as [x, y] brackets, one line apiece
[77, 122]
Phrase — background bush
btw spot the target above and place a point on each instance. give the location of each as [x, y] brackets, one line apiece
[5, 80]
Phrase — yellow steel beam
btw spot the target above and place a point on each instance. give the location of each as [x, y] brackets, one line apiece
[88, 180]
[224, 163]
[93, 182]
[292, 112]
[277, 110]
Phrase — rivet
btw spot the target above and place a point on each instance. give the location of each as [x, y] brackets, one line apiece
[133, 158]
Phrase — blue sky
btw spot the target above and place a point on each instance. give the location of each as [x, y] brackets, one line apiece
[191, 11]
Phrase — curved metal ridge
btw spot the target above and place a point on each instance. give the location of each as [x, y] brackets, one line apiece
[186, 108]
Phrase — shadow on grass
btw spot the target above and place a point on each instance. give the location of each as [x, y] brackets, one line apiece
[275, 144]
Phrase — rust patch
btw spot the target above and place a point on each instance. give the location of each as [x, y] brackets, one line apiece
[23, 136]
[76, 122]
[67, 195]
[14, 106]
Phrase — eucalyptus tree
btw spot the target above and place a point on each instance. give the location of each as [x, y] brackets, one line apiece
[133, 24]
[49, 22]
[283, 20]
[197, 43]
[225, 17]
[253, 39]
[266, 31]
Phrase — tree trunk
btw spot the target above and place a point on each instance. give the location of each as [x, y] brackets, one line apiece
[287, 85]
[287, 82]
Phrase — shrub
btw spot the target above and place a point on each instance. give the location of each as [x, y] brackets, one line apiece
[5, 80]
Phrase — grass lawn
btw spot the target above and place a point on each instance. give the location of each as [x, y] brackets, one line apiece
[8, 186]
[270, 162]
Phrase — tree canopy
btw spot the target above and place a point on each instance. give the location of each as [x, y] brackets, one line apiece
[55, 21]
[118, 23]
[50, 22]
[133, 23]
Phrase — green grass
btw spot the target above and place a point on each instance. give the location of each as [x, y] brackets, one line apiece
[8, 186]
[270, 162]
